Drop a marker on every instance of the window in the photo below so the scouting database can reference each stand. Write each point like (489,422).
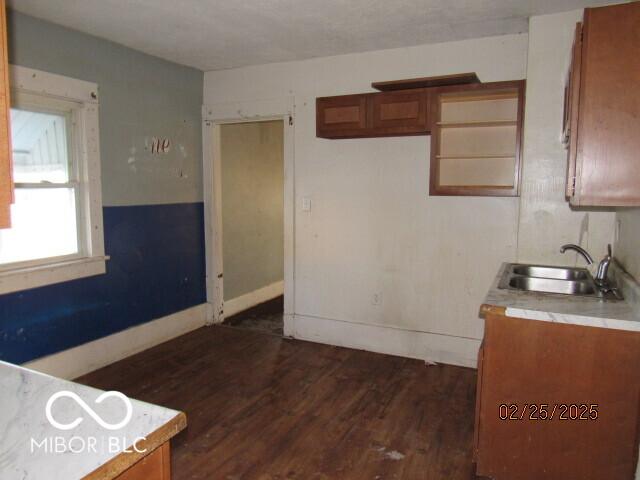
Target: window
(56,232)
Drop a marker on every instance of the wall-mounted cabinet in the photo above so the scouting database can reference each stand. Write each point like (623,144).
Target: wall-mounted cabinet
(476,139)
(396,113)
(476,129)
(400,113)
(602,116)
(342,117)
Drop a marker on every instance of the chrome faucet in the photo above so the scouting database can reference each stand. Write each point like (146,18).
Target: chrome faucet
(603,267)
(579,249)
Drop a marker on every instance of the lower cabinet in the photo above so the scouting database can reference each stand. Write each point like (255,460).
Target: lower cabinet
(556,401)
(155,466)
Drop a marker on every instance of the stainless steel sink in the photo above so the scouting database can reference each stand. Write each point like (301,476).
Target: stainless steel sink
(558,273)
(550,285)
(559,280)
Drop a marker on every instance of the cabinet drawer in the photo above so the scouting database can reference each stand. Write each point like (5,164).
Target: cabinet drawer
(400,113)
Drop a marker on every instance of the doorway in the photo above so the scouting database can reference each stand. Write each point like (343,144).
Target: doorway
(215,117)
(252,207)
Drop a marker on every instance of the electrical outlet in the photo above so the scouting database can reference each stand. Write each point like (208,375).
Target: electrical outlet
(306,204)
(376,299)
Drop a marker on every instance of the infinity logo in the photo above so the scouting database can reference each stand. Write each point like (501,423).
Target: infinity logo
(89,410)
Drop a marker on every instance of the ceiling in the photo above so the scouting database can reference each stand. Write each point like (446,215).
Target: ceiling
(220,34)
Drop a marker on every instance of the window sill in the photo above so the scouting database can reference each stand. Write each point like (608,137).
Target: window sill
(41,275)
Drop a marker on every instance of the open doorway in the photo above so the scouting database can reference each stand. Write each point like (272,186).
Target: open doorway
(252,211)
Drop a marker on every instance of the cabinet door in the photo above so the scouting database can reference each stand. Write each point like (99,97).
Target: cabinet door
(155,466)
(573,105)
(341,117)
(6,183)
(558,401)
(607,172)
(400,113)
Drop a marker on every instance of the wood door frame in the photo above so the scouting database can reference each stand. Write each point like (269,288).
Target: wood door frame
(214,116)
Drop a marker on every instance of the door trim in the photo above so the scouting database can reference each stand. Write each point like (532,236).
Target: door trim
(214,116)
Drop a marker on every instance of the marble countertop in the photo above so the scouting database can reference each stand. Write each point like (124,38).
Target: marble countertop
(41,436)
(587,311)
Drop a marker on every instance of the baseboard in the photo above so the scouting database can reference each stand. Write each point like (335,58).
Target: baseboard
(425,346)
(85,358)
(251,299)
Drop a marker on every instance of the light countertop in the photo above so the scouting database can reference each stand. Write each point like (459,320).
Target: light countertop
(33,448)
(577,310)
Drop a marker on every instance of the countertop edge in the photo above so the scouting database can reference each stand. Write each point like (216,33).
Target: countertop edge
(123,461)
(622,315)
(486,309)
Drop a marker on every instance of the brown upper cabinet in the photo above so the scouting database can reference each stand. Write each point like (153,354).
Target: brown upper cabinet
(476,139)
(602,123)
(403,112)
(342,117)
(6,183)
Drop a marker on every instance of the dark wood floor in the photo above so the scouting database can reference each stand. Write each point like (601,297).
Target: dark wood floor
(264,407)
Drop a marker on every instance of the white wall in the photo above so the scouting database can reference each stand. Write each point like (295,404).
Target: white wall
(546,221)
(373,229)
(627,249)
(252,168)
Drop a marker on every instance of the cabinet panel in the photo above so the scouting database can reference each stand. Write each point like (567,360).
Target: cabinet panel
(341,117)
(608,143)
(573,105)
(401,113)
(530,363)
(155,466)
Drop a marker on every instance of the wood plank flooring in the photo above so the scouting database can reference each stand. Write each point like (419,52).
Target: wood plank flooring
(264,407)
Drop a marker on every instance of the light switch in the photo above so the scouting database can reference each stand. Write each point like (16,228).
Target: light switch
(306,204)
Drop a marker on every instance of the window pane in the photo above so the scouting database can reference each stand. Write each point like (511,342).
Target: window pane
(40,150)
(43,224)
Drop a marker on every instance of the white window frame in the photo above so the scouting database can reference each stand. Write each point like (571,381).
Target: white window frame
(90,259)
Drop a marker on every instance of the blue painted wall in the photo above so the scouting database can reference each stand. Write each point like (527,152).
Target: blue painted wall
(153,214)
(156,268)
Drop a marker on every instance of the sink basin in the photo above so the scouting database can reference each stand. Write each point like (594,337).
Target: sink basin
(551,285)
(549,279)
(558,273)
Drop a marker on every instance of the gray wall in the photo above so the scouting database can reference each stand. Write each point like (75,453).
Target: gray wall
(628,246)
(153,215)
(252,206)
(140,97)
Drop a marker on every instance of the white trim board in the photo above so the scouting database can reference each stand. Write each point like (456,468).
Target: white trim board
(429,347)
(213,116)
(251,299)
(80,99)
(85,358)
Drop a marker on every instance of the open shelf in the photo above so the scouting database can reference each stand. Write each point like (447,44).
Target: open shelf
(481,123)
(476,140)
(464,157)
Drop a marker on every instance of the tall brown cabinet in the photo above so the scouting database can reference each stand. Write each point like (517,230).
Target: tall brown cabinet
(602,109)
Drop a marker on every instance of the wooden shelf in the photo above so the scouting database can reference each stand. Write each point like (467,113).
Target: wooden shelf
(427,82)
(477,97)
(465,157)
(491,123)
